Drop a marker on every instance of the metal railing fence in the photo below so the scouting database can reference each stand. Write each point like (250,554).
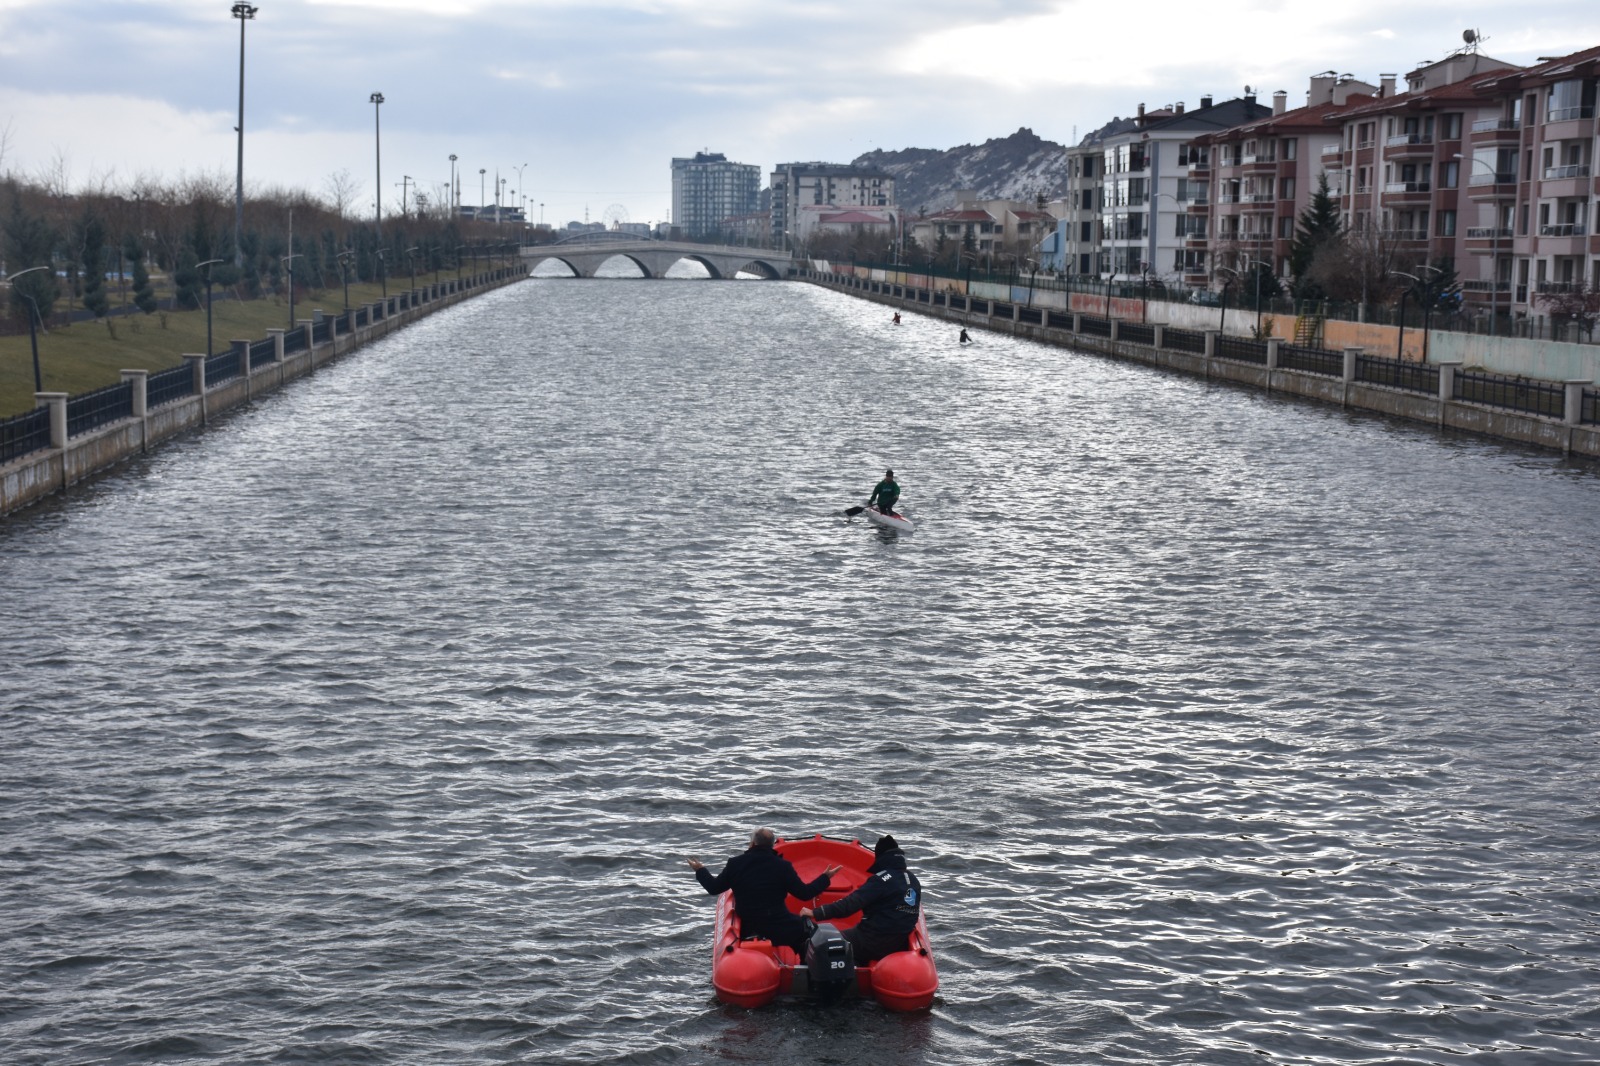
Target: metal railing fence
(1311,360)
(1242,349)
(164,386)
(24,434)
(1545,398)
(91,410)
(1397,374)
(222,366)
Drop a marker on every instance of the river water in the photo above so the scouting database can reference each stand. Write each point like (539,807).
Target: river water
(375,724)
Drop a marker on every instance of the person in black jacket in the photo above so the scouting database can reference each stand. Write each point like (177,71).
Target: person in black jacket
(890,899)
(761,881)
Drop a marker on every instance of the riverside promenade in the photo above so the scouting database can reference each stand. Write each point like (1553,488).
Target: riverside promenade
(1562,416)
(69,438)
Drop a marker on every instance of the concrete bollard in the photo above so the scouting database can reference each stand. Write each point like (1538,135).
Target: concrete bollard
(1116,330)
(1572,413)
(1158,338)
(1272,353)
(57,402)
(140,380)
(1077,322)
(1447,382)
(1211,342)
(276,336)
(1350,355)
(197,363)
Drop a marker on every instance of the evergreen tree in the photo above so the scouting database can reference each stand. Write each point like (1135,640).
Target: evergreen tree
(1316,230)
(30,242)
(188,286)
(144,295)
(91,240)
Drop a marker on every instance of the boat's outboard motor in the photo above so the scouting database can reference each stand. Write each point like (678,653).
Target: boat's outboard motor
(830,962)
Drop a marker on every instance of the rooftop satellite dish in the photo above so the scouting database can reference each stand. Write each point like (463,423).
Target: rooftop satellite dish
(1469,36)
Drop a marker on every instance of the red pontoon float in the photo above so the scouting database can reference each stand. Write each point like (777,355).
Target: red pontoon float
(752,973)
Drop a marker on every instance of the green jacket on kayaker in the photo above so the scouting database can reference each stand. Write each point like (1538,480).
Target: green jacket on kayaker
(885,494)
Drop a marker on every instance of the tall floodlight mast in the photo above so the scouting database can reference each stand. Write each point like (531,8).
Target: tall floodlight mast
(244,13)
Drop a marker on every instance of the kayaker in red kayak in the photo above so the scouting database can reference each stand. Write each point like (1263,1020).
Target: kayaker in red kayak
(761,880)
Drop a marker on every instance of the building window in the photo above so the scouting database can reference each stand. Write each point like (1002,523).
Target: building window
(1286,188)
(1447,223)
(1449,175)
(1289,147)
(1452,128)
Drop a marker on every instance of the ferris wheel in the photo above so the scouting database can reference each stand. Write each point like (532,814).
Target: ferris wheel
(614,217)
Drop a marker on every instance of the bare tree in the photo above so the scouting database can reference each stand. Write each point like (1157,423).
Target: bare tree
(342,191)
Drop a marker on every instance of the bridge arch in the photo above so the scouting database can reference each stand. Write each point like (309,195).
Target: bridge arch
(537,261)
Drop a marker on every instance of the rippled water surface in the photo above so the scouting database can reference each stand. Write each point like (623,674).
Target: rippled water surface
(374,724)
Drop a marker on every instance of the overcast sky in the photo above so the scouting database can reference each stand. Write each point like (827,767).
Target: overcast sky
(596,96)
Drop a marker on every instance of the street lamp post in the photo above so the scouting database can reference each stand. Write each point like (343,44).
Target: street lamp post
(411,256)
(454,197)
(482,199)
(376,99)
(1259,265)
(288,272)
(244,13)
(344,258)
(33,335)
(383,275)
(521,191)
(1427,310)
(208,264)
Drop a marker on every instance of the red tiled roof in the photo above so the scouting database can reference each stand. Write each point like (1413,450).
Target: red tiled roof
(1509,80)
(854,217)
(961,216)
(1463,91)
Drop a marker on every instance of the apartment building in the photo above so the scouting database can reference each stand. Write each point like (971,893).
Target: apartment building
(1262,175)
(839,185)
(708,189)
(1532,192)
(990,229)
(1149,176)
(1405,159)
(1077,247)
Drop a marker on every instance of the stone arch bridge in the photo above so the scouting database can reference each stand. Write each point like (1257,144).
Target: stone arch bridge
(585,254)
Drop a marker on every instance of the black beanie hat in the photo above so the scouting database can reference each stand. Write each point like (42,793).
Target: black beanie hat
(885,843)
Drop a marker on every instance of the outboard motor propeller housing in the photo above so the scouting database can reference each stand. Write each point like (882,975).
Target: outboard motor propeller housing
(830,962)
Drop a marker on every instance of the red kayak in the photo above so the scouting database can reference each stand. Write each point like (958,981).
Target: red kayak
(752,973)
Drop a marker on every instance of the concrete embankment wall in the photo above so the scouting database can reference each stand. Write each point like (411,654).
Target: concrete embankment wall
(69,460)
(1444,410)
(1548,360)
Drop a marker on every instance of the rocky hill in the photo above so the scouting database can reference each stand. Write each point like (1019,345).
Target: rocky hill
(1018,167)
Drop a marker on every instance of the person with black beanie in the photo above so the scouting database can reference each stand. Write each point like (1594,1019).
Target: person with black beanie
(890,900)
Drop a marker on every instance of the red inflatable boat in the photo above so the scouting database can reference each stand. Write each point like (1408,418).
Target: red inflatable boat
(752,973)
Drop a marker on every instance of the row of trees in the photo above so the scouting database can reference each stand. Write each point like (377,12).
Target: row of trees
(126,234)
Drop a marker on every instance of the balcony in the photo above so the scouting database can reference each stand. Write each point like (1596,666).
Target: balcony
(1575,170)
(1332,149)
(1561,288)
(1409,143)
(1499,183)
(1409,236)
(1566,114)
(1485,285)
(1564,229)
(1257,198)
(1405,190)
(1488,233)
(1495,125)
(1199,165)
(1364,144)
(1195,235)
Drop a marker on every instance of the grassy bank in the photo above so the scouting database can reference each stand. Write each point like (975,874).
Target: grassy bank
(88,355)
